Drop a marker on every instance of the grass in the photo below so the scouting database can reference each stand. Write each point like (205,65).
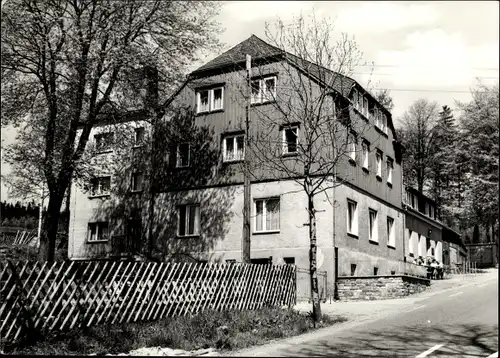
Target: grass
(227,330)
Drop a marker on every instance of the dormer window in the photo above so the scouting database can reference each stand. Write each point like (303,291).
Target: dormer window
(208,100)
(379,164)
(263,90)
(355,99)
(365,106)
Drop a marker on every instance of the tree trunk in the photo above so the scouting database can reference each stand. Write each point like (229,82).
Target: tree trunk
(49,228)
(312,260)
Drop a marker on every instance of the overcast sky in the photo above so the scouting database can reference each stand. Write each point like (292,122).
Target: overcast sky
(432,50)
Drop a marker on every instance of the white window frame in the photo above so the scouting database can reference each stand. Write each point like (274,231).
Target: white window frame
(351,146)
(138,143)
(196,225)
(235,157)
(98,227)
(133,182)
(285,143)
(352,225)
(373,228)
(211,99)
(264,214)
(391,232)
(366,153)
(99,191)
(263,96)
(355,96)
(390,168)
(365,106)
(378,156)
(178,158)
(410,242)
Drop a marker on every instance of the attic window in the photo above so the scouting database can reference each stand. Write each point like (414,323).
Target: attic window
(209,100)
(263,90)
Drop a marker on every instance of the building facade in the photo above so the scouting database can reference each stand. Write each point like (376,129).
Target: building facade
(425,235)
(198,201)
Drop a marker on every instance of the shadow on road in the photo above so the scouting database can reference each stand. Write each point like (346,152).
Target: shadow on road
(458,340)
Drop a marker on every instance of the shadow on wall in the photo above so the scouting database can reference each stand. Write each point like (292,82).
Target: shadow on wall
(185,156)
(473,340)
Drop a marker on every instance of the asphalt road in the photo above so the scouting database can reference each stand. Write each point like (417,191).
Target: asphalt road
(460,322)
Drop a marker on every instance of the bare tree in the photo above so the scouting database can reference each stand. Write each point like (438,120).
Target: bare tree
(65,64)
(306,127)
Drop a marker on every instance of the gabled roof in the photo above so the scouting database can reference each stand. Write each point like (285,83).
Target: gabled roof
(252,46)
(258,48)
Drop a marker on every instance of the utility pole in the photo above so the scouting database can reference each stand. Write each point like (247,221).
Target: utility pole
(40,216)
(246,170)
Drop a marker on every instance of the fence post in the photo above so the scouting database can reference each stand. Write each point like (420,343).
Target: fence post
(295,285)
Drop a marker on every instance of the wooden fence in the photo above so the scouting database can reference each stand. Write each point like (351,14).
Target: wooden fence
(62,295)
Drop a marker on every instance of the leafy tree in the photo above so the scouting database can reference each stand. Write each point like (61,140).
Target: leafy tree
(385,99)
(445,164)
(417,136)
(66,64)
(479,125)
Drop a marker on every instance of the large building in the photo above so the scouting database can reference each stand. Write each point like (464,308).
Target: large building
(198,182)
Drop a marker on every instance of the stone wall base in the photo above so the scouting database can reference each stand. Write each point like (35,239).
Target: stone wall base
(360,288)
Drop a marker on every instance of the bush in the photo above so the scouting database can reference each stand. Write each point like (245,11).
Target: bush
(226,330)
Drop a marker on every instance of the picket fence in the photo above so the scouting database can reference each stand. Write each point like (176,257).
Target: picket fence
(62,295)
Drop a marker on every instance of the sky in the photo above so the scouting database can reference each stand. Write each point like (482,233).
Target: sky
(434,50)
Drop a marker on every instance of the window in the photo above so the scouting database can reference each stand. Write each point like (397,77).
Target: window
(355,99)
(379,164)
(263,90)
(101,186)
(391,235)
(289,260)
(381,121)
(217,99)
(377,117)
(267,215)
(290,139)
(373,235)
(138,136)
(233,148)
(104,141)
(351,146)
(352,217)
(137,180)
(210,99)
(183,154)
(98,231)
(366,151)
(188,220)
(390,166)
(410,243)
(365,106)
(375,271)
